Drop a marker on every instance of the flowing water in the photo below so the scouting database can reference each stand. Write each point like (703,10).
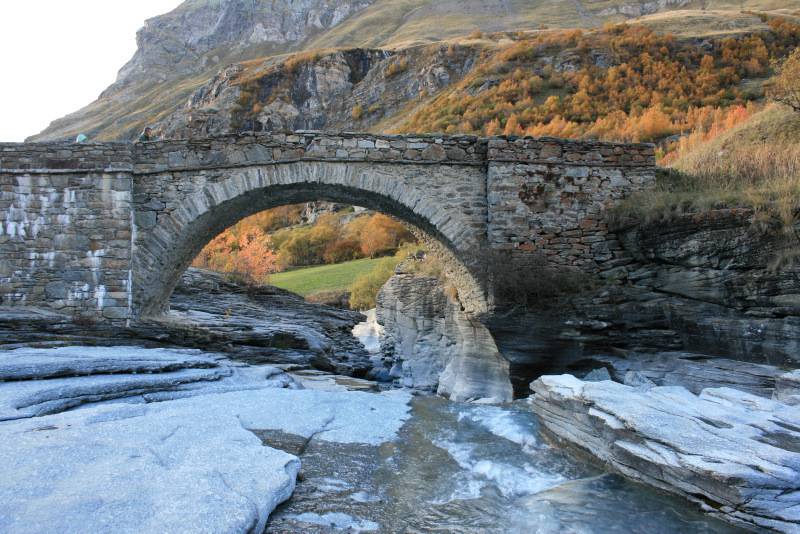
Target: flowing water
(460,468)
(467,468)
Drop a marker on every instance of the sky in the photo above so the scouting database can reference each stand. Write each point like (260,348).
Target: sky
(57,56)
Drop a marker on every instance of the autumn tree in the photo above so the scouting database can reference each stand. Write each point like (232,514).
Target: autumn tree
(383,235)
(785,86)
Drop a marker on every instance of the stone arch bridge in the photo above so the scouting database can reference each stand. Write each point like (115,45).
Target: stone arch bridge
(105,230)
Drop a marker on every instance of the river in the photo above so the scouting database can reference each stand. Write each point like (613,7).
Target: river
(469,468)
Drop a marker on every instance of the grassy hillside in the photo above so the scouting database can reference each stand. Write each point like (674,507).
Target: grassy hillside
(398,23)
(754,165)
(311,280)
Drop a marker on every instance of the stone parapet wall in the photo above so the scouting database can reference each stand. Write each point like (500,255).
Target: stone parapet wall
(243,150)
(55,158)
(569,152)
(240,150)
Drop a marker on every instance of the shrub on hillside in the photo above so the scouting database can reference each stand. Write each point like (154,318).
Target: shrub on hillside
(307,246)
(785,86)
(342,250)
(382,235)
(365,289)
(396,67)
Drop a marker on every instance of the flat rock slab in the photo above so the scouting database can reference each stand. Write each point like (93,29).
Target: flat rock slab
(736,454)
(41,363)
(787,388)
(183,466)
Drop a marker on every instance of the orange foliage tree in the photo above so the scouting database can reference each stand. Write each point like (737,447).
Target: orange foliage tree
(382,235)
(246,252)
(622,83)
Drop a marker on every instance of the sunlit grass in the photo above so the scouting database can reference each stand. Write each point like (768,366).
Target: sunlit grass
(310,280)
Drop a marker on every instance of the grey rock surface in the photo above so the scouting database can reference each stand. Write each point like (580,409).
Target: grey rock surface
(787,388)
(597,375)
(259,325)
(431,345)
(174,452)
(33,363)
(735,454)
(58,379)
(695,372)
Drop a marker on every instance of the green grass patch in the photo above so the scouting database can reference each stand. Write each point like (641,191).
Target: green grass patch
(310,280)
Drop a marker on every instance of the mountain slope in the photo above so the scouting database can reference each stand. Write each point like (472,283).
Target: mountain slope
(622,83)
(182,51)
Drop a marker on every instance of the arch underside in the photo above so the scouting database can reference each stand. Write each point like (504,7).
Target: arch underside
(164,252)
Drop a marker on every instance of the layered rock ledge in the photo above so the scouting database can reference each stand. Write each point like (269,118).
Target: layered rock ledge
(165,440)
(735,454)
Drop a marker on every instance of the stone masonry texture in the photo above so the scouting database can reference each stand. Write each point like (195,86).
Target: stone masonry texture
(104,231)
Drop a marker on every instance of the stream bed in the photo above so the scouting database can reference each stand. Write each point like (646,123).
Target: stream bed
(461,468)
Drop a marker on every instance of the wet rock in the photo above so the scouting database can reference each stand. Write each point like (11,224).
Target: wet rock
(432,345)
(48,381)
(38,364)
(597,375)
(787,388)
(258,325)
(635,379)
(735,454)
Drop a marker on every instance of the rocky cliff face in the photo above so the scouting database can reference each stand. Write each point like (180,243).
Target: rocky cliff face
(431,345)
(200,32)
(181,50)
(352,89)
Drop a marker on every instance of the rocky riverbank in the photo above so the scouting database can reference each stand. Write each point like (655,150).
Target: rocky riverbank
(177,451)
(210,312)
(734,454)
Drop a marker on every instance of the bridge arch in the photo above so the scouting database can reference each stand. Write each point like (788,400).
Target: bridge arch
(177,213)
